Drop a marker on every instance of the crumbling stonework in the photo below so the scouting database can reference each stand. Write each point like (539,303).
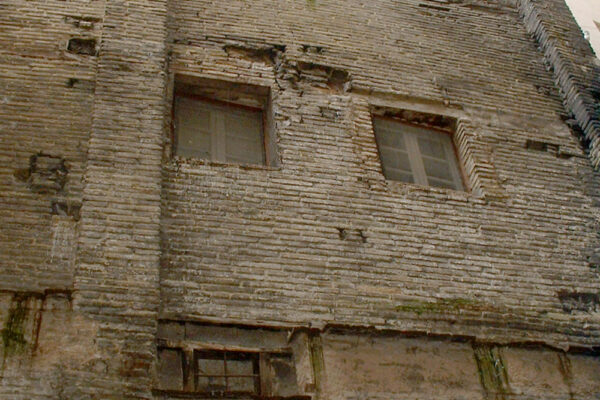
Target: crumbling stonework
(123,266)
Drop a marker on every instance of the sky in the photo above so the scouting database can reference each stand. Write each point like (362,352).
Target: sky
(587,14)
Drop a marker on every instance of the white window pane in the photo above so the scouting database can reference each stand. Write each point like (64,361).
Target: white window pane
(244,142)
(388,134)
(398,175)
(432,146)
(392,149)
(437,169)
(395,159)
(193,128)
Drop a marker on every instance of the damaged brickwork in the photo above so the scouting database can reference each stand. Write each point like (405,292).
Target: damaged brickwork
(125,267)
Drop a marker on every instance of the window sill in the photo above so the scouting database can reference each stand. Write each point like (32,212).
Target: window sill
(178,161)
(178,394)
(409,189)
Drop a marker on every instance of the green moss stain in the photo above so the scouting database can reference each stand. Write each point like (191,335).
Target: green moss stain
(492,371)
(443,305)
(13,335)
(566,370)
(317,361)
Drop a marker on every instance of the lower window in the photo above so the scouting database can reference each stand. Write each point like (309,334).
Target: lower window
(197,361)
(226,372)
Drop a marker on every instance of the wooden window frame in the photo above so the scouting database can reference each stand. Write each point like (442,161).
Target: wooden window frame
(202,354)
(189,366)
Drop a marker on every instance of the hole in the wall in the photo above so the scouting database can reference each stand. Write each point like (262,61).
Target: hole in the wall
(433,7)
(324,75)
(84,22)
(84,46)
(329,113)
(594,261)
(262,53)
(46,173)
(66,208)
(308,48)
(363,236)
(82,84)
(579,301)
(595,93)
(436,121)
(536,145)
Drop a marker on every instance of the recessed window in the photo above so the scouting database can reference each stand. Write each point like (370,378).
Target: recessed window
(199,361)
(417,154)
(222,122)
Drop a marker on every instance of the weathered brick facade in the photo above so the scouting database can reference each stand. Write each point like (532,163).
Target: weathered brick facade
(111,246)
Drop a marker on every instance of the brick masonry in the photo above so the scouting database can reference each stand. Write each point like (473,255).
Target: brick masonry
(104,232)
(263,245)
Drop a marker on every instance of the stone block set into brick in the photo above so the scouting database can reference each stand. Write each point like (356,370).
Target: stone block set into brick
(204,199)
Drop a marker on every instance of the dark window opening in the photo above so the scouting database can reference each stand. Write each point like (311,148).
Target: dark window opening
(85,46)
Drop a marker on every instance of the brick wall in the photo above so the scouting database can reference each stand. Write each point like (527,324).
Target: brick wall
(116,282)
(103,232)
(263,245)
(46,108)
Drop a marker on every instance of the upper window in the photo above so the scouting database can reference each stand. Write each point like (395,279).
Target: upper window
(417,154)
(221,121)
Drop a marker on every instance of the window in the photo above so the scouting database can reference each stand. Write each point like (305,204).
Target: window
(226,372)
(416,154)
(200,361)
(221,121)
